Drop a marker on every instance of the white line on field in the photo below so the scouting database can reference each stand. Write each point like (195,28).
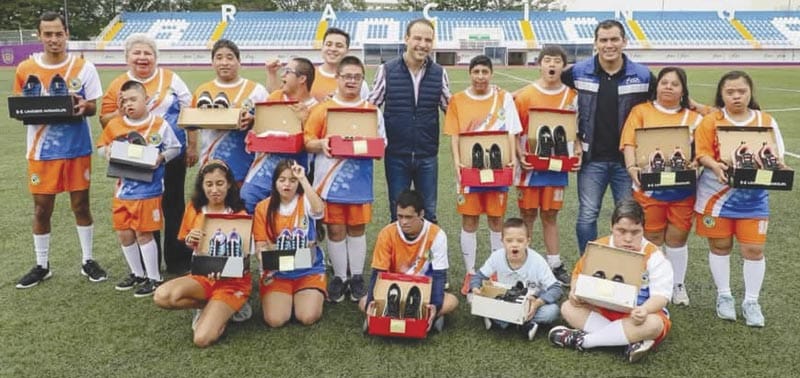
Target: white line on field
(796,156)
(782,110)
(517,78)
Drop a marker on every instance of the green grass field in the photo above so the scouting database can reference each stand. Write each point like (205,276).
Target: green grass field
(69,327)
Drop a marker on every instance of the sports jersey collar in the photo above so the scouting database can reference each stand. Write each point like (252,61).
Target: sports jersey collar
(147,80)
(227,210)
(355,104)
(38,58)
(740,123)
(549,91)
(475,97)
(229,85)
(330,75)
(426,225)
(663,109)
(288,209)
(140,122)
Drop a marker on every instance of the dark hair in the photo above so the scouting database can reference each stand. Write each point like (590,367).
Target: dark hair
(411,198)
(419,21)
(225,43)
(629,209)
(51,16)
(305,68)
(350,60)
(552,50)
(684,101)
(733,75)
(515,223)
(608,24)
(337,31)
(133,84)
(232,198)
(480,60)
(274,197)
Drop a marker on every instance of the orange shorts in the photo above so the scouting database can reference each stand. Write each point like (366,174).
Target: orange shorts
(658,213)
(540,197)
(349,214)
(139,215)
(749,230)
(291,287)
(616,315)
(61,175)
(492,204)
(233,291)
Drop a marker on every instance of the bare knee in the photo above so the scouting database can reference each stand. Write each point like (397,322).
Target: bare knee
(204,339)
(274,320)
(469,223)
(307,317)
(721,246)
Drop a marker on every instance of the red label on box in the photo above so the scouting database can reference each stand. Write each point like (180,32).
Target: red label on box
(479,177)
(553,163)
(356,147)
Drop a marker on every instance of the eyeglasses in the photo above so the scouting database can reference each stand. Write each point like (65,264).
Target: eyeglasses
(288,70)
(352,77)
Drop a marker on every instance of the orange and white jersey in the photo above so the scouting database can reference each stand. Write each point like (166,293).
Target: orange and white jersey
(651,114)
(60,140)
(193,219)
(420,256)
(325,85)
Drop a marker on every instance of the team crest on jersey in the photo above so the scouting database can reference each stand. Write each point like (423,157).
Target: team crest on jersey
(304,223)
(75,84)
(154,139)
(247,105)
(460,199)
(501,114)
(709,221)
(35,180)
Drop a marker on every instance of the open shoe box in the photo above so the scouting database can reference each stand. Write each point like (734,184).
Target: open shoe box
(212,118)
(503,176)
(37,110)
(276,129)
(132,161)
(487,306)
(538,117)
(613,295)
(285,260)
(730,137)
(227,266)
(378,325)
(353,133)
(666,139)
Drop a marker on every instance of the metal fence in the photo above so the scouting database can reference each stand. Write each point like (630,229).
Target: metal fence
(18,37)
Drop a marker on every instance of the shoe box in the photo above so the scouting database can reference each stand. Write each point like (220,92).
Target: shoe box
(353,133)
(132,161)
(285,260)
(730,138)
(479,153)
(209,118)
(491,304)
(541,119)
(413,328)
(667,140)
(37,110)
(277,129)
(611,277)
(225,246)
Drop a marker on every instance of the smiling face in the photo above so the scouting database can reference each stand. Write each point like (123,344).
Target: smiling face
(628,234)
(349,80)
(480,77)
(669,90)
(287,185)
(515,241)
(133,103)
(226,65)
(419,42)
(141,61)
(609,44)
(215,187)
(53,36)
(736,95)
(334,48)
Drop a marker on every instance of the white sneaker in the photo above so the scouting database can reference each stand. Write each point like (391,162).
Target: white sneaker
(196,317)
(532,330)
(243,314)
(679,295)
(487,323)
(726,307)
(751,311)
(634,352)
(438,324)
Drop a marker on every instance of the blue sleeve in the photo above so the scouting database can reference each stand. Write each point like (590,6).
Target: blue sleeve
(477,280)
(372,281)
(552,293)
(567,78)
(437,288)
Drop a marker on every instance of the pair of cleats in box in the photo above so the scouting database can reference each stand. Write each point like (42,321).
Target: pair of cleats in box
(33,86)
(744,158)
(515,294)
(551,142)
(676,162)
(133,137)
(601,274)
(480,157)
(205,101)
(413,303)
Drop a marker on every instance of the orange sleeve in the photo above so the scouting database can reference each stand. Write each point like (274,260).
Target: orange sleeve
(189,222)
(19,81)
(276,95)
(260,222)
(705,137)
(110,98)
(107,136)
(635,121)
(315,124)
(382,255)
(451,126)
(521,103)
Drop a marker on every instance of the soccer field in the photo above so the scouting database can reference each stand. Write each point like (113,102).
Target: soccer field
(72,328)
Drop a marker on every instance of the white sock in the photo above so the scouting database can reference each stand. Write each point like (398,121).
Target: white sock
(753,278)
(495,240)
(134,259)
(86,235)
(679,257)
(41,246)
(150,257)
(721,272)
(356,253)
(553,261)
(469,249)
(595,322)
(337,250)
(611,335)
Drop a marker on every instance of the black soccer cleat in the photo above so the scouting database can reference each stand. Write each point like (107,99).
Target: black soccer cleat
(743,157)
(618,278)
(135,138)
(58,86)
(413,308)
(560,141)
(678,160)
(495,159)
(392,308)
(32,87)
(599,274)
(657,163)
(221,101)
(544,144)
(204,101)
(477,156)
(767,158)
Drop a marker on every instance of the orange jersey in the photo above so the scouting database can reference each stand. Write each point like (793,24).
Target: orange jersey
(492,112)
(325,85)
(650,114)
(396,254)
(193,219)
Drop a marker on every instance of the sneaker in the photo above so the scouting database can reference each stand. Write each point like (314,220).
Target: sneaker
(487,323)
(135,138)
(392,308)
(58,87)
(196,317)
(33,277)
(477,156)
(336,290)
(635,351)
(147,288)
(447,286)
(679,295)
(495,159)
(544,143)
(357,287)
(562,275)
(766,157)
(413,308)
(243,314)
(726,307)
(618,278)
(221,101)
(529,330)
(93,270)
(678,160)
(204,101)
(566,337)
(743,157)
(751,311)
(599,274)
(560,141)
(32,87)
(465,286)
(657,161)
(129,282)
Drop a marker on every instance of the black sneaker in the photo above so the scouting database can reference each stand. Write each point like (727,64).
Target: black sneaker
(58,87)
(129,282)
(544,144)
(766,157)
(678,160)
(392,308)
(135,138)
(204,101)
(514,293)
(634,352)
(495,159)
(357,287)
(147,289)
(413,308)
(657,161)
(566,337)
(560,141)
(477,156)
(221,101)
(743,157)
(93,270)
(32,87)
(336,290)
(33,277)
(562,275)
(599,274)
(618,278)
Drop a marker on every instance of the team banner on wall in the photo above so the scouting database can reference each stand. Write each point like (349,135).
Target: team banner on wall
(10,56)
